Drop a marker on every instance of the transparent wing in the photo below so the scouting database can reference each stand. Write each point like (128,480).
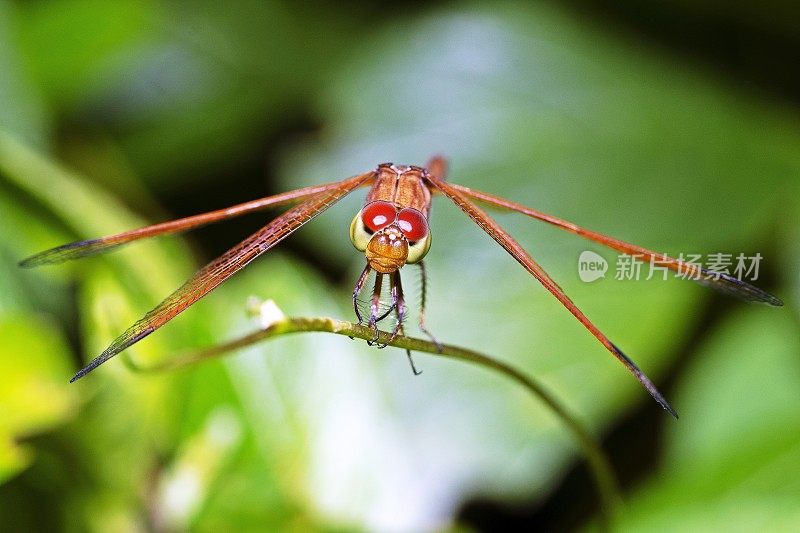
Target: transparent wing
(720,281)
(505,240)
(213,274)
(76,250)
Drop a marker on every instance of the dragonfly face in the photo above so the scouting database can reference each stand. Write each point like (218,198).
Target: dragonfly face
(389,236)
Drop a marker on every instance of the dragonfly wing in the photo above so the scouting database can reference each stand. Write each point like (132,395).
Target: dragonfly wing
(76,250)
(727,284)
(505,240)
(213,274)
(720,281)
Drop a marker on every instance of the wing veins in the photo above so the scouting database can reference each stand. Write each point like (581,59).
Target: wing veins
(716,280)
(213,274)
(496,232)
(86,248)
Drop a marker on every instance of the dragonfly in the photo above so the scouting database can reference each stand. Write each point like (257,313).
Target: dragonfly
(391,230)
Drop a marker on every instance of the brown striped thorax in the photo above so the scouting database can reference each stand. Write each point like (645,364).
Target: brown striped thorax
(402,185)
(392,227)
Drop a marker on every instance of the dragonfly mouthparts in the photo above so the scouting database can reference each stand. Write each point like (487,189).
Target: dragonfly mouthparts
(387,250)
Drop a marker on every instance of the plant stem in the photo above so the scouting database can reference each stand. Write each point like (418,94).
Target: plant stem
(595,457)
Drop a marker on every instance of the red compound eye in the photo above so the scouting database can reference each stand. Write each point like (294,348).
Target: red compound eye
(378,215)
(413,224)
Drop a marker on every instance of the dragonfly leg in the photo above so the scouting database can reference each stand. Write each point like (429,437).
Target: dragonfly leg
(399,303)
(387,313)
(357,290)
(400,307)
(424,285)
(374,308)
(411,359)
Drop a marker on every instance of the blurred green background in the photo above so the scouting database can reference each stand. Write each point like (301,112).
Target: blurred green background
(672,126)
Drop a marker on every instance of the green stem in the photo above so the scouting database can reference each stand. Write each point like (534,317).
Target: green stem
(595,457)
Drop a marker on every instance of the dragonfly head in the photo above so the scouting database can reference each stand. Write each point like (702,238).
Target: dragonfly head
(390,237)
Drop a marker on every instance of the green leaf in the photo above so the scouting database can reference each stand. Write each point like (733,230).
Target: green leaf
(21,110)
(35,396)
(736,455)
(94,39)
(89,212)
(183,88)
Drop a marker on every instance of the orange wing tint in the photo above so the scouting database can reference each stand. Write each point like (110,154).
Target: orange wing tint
(210,276)
(76,250)
(720,281)
(505,240)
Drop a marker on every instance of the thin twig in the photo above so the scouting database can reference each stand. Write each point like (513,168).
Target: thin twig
(598,462)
